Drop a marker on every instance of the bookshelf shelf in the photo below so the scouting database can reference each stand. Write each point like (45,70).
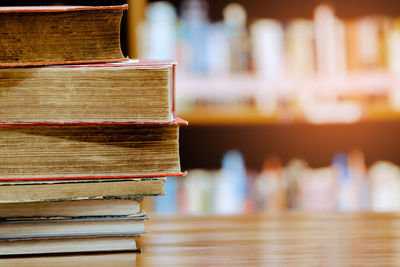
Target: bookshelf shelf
(248,115)
(225,115)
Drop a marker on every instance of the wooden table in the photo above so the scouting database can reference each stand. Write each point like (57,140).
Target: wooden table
(256,240)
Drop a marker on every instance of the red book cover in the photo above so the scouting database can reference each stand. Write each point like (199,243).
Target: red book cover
(39,9)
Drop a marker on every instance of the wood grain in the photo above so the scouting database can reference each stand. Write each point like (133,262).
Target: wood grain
(281,240)
(363,239)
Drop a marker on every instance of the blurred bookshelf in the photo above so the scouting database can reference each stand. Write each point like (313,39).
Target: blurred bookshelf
(271,85)
(313,67)
(247,69)
(359,97)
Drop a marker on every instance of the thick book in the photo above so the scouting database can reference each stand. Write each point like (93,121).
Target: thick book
(42,152)
(133,91)
(67,227)
(72,208)
(33,191)
(60,34)
(65,245)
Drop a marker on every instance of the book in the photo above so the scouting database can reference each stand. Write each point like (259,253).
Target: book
(89,151)
(60,34)
(157,34)
(120,259)
(272,186)
(300,49)
(363,40)
(67,245)
(168,203)
(31,191)
(70,208)
(329,43)
(133,91)
(385,187)
(267,36)
(61,227)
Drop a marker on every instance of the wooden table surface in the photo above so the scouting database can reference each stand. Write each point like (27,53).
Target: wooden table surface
(258,240)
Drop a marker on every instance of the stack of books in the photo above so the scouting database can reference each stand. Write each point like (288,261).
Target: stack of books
(85,133)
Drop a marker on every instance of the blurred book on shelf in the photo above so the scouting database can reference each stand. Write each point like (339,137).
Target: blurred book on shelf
(346,185)
(320,70)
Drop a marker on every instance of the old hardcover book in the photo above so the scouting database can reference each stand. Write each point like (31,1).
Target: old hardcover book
(120,259)
(66,245)
(72,208)
(134,91)
(60,34)
(32,191)
(61,227)
(89,151)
